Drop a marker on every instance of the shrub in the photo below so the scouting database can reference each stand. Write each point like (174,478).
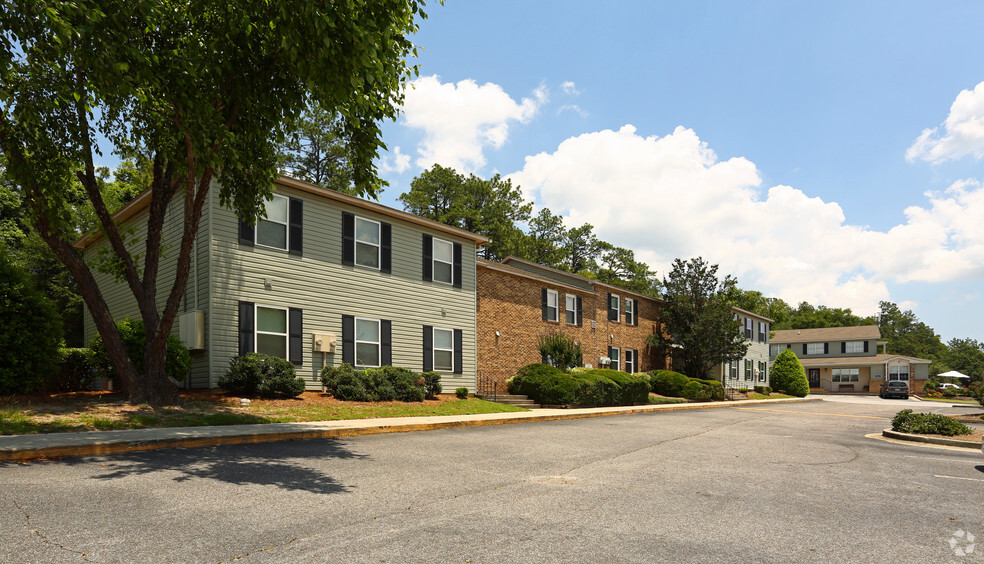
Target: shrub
(714,388)
(385,383)
(30,333)
(949,392)
(432,384)
(788,376)
(560,350)
(519,384)
(743,390)
(764,390)
(547,385)
(695,390)
(976,391)
(461,393)
(906,421)
(668,383)
(257,374)
(177,359)
(77,370)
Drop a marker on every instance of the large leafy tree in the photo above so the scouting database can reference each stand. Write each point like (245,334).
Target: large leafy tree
(580,249)
(544,239)
(756,302)
(488,207)
(204,90)
(906,335)
(317,151)
(618,266)
(700,329)
(967,357)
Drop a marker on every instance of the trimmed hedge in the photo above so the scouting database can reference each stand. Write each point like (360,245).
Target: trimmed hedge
(906,421)
(257,374)
(550,386)
(386,383)
(764,390)
(668,383)
(675,385)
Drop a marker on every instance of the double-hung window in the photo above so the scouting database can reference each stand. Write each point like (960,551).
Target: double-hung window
(443,350)
(774,350)
(854,346)
(630,311)
(748,327)
(845,374)
(734,369)
(748,369)
(271,230)
(271,331)
(613,307)
(367,342)
(367,242)
(814,348)
(551,305)
(613,354)
(900,372)
(443,261)
(570,307)
(630,361)
(763,333)
(762,373)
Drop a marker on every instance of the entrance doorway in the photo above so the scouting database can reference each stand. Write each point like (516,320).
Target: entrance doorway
(814,374)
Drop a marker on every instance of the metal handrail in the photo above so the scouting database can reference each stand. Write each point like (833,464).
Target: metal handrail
(487,386)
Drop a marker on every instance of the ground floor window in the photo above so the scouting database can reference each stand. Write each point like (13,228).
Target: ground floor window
(763,377)
(613,354)
(734,370)
(271,331)
(845,374)
(630,361)
(900,372)
(367,342)
(748,369)
(443,350)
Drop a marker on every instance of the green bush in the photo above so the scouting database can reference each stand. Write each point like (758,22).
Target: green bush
(30,332)
(177,359)
(906,421)
(257,374)
(547,385)
(386,383)
(560,350)
(950,392)
(714,388)
(788,376)
(764,390)
(695,390)
(976,391)
(668,383)
(432,384)
(461,393)
(77,370)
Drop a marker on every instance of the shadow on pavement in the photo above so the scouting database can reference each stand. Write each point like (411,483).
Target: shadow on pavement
(277,464)
(979,469)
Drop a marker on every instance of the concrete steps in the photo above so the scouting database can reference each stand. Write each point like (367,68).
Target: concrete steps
(511,399)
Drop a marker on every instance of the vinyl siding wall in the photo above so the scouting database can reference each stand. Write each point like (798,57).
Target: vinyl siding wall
(833,349)
(757,352)
(120,299)
(325,289)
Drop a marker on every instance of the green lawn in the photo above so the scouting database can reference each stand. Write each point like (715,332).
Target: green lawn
(773,395)
(102,415)
(950,400)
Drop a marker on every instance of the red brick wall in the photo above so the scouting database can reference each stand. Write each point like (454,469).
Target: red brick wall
(511,305)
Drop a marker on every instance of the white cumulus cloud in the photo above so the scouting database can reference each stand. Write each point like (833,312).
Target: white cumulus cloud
(669,197)
(394,162)
(569,88)
(962,135)
(459,121)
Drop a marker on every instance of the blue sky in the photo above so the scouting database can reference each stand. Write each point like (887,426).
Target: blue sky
(827,152)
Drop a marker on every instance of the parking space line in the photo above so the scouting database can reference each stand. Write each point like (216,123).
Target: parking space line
(958,478)
(813,413)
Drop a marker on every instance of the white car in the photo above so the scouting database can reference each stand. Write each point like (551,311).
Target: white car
(946,385)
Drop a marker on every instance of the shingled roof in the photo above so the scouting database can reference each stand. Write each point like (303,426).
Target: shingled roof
(857,333)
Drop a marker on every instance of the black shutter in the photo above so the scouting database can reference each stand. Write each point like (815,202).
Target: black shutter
(804,348)
(385,247)
(638,361)
(348,339)
(456,270)
(348,239)
(247,233)
(428,257)
(295,223)
(866,346)
(246,322)
(543,303)
(295,334)
(635,312)
(826,348)
(843,347)
(386,342)
(459,357)
(578,309)
(428,347)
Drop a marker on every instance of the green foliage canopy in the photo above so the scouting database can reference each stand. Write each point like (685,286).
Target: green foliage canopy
(788,375)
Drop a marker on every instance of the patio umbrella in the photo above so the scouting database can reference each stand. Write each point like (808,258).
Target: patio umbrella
(954,374)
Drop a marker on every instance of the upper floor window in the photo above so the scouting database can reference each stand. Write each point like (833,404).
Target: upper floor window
(551,309)
(613,307)
(630,311)
(443,261)
(749,331)
(854,346)
(367,242)
(570,308)
(774,350)
(763,332)
(271,231)
(815,348)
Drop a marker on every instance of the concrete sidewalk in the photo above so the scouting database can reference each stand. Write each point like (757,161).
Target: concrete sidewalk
(56,445)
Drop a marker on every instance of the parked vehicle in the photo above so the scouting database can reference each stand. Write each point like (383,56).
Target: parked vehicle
(946,385)
(894,389)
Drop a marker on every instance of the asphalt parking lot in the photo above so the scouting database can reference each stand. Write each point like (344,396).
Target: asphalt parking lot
(783,483)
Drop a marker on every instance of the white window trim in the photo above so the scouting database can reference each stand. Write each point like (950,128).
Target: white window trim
(627,362)
(632,311)
(435,348)
(618,306)
(435,260)
(256,326)
(356,341)
(899,367)
(570,306)
(749,371)
(556,306)
(810,346)
(763,371)
(356,241)
(617,359)
(256,238)
(838,375)
(859,345)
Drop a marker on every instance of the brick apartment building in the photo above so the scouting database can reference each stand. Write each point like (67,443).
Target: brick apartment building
(518,301)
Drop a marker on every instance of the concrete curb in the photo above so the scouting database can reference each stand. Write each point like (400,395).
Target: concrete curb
(931,440)
(58,445)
